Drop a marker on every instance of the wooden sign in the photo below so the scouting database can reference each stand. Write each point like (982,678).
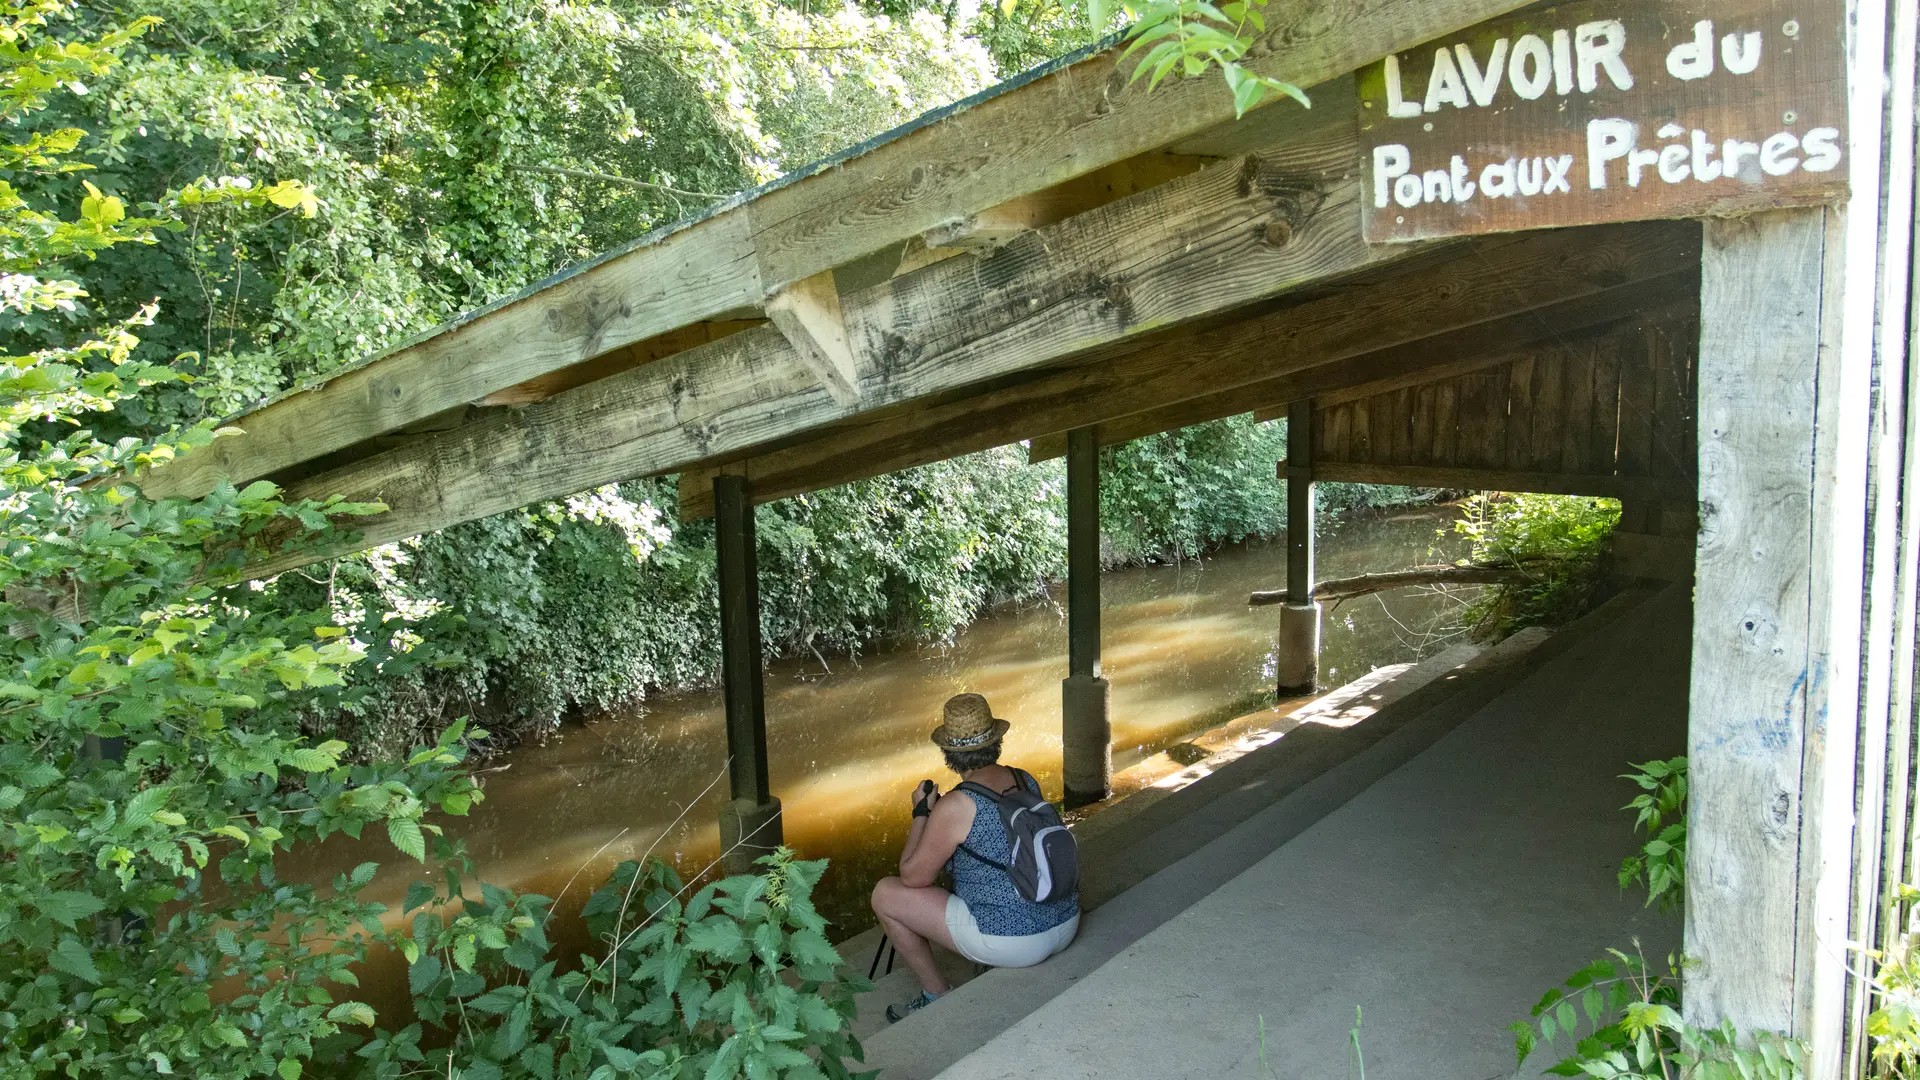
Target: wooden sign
(1608,111)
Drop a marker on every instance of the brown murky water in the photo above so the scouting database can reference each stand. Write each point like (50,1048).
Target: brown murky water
(1181,647)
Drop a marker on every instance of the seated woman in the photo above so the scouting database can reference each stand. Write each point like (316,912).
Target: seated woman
(984,918)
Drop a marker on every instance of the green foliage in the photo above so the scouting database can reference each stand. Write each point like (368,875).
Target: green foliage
(1894,1023)
(587,604)
(465,150)
(1559,540)
(1660,809)
(151,766)
(1624,1023)
(1192,37)
(1175,495)
(736,980)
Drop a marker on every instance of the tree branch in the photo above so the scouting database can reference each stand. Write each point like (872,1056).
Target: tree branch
(1348,588)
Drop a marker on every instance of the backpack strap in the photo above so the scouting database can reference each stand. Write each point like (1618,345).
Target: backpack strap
(982,789)
(982,858)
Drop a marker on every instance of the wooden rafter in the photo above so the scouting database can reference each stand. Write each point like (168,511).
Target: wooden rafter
(1061,122)
(1444,312)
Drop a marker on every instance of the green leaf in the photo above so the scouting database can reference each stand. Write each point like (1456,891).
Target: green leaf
(352,1012)
(405,835)
(66,908)
(423,973)
(73,958)
(289,1069)
(718,936)
(364,873)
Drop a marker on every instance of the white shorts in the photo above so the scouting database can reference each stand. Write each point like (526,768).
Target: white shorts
(996,951)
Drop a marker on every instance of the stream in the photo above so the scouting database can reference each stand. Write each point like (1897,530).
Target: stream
(1181,647)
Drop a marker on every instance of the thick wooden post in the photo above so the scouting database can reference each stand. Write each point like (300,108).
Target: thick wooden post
(1086,734)
(1759,669)
(750,821)
(1298,659)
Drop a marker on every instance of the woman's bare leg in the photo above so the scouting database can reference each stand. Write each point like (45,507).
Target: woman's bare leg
(915,920)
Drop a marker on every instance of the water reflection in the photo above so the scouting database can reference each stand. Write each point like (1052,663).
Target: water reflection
(1182,648)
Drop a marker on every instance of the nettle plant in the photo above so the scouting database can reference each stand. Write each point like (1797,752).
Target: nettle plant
(736,980)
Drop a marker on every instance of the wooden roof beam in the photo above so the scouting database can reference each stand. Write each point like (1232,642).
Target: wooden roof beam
(1106,277)
(1063,121)
(1455,353)
(1475,302)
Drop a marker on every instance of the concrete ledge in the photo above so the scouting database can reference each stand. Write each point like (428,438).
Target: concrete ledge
(1192,842)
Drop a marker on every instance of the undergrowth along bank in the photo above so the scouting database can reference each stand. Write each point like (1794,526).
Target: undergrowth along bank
(580,606)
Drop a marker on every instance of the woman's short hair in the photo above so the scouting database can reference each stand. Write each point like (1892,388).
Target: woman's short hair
(965,761)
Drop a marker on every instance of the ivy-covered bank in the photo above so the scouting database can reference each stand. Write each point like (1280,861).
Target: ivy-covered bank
(523,619)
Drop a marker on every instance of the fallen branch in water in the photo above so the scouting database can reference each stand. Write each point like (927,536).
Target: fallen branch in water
(1348,588)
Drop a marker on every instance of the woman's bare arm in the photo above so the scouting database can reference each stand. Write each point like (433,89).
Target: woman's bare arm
(933,839)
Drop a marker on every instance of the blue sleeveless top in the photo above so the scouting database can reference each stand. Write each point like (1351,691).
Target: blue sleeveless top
(988,892)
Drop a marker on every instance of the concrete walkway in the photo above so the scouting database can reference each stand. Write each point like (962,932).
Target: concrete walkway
(1444,899)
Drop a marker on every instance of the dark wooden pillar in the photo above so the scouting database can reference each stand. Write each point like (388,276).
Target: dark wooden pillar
(750,821)
(1298,662)
(1086,731)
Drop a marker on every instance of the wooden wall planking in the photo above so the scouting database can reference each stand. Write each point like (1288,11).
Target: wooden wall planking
(1616,403)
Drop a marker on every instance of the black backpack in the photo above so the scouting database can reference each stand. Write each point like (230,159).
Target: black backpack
(1045,863)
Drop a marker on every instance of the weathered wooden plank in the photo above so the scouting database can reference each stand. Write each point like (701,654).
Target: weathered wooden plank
(641,352)
(628,297)
(1470,349)
(1472,479)
(1446,423)
(1576,437)
(1103,278)
(1672,399)
(1760,342)
(1340,423)
(1605,448)
(1360,434)
(1420,447)
(1549,408)
(1519,427)
(1636,403)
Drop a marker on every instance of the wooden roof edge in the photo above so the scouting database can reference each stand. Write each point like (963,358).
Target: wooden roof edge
(654,236)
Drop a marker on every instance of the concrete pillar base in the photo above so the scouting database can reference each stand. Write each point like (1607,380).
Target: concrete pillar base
(748,830)
(1086,740)
(1299,654)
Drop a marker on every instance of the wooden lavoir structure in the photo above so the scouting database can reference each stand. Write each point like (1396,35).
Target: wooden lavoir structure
(1658,249)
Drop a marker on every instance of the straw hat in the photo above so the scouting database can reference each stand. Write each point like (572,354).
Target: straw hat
(968,724)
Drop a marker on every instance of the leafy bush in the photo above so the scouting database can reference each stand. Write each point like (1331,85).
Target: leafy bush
(1661,809)
(1559,540)
(1634,1031)
(1175,495)
(738,980)
(151,766)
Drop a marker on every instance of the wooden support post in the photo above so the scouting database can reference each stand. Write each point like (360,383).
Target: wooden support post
(1086,731)
(1298,658)
(1756,660)
(750,821)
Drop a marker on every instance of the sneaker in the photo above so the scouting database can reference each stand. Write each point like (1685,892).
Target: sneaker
(897,1013)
